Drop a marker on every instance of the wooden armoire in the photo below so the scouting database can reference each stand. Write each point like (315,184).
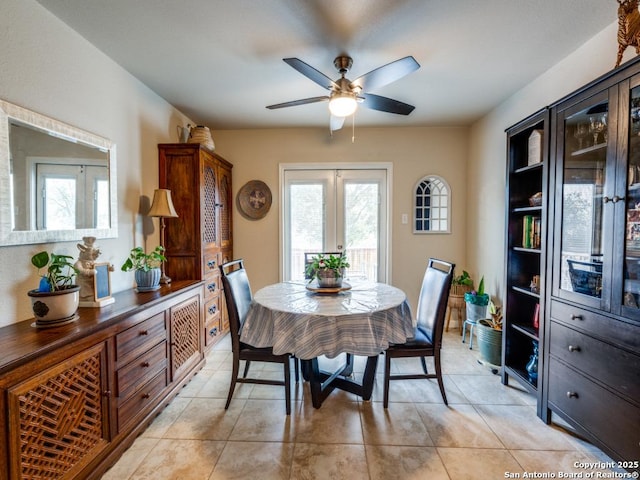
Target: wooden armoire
(200,238)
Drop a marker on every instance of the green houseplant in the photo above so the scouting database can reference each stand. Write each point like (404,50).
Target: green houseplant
(56,298)
(327,269)
(146,267)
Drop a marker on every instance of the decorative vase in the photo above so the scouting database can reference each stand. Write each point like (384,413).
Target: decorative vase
(149,280)
(201,134)
(330,278)
(55,308)
(532,366)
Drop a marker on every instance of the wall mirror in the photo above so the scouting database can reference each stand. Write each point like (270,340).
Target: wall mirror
(57,182)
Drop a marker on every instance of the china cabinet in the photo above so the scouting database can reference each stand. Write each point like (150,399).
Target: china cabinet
(74,397)
(526,220)
(200,238)
(592,341)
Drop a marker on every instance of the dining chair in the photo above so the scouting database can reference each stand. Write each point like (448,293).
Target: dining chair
(427,339)
(308,258)
(237,292)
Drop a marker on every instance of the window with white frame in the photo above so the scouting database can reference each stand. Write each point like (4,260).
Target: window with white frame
(431,208)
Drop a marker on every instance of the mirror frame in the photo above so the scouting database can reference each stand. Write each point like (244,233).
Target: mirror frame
(8,236)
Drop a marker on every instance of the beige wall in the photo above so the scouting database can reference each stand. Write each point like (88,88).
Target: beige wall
(414,153)
(48,68)
(487,154)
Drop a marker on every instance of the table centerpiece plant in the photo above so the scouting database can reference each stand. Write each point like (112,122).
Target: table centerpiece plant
(328,270)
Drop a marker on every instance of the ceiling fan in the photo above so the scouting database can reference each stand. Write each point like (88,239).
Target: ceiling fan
(345,95)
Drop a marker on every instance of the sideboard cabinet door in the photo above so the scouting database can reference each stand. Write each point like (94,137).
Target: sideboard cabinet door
(59,418)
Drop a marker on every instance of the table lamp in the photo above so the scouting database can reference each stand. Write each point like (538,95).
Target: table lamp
(162,207)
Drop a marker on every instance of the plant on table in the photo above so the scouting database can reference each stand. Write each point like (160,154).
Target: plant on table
(477,297)
(322,265)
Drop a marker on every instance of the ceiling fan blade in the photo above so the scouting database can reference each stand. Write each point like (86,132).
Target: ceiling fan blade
(335,123)
(384,104)
(311,73)
(294,103)
(386,74)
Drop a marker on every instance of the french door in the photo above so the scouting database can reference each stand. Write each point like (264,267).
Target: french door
(336,210)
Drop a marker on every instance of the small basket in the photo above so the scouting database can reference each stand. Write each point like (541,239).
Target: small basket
(535,200)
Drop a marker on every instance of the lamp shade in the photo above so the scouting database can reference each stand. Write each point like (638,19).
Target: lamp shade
(162,205)
(343,104)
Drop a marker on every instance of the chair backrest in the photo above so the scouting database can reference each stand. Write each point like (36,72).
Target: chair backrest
(237,293)
(434,295)
(308,256)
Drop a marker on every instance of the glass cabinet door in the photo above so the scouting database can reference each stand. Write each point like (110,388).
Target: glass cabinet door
(631,285)
(584,172)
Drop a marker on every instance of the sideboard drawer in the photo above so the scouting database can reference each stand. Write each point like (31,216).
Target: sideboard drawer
(130,377)
(140,338)
(620,371)
(143,399)
(589,405)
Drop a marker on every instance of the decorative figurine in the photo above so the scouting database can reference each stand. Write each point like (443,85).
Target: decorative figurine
(628,27)
(87,275)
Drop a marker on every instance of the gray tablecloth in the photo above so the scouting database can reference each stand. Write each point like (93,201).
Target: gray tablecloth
(361,321)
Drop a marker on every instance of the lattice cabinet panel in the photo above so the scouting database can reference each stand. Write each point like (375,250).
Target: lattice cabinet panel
(185,336)
(210,232)
(59,418)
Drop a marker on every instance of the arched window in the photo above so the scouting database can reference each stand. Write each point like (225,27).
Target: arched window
(431,205)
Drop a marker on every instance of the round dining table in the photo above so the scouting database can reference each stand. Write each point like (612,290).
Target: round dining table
(308,322)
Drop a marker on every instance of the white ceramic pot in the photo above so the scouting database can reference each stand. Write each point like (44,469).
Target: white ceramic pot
(54,307)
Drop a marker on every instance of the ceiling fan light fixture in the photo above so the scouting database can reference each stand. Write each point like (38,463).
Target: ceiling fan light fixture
(343,104)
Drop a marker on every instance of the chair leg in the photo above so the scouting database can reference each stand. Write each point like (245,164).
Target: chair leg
(424,365)
(471,336)
(287,384)
(436,358)
(234,378)
(296,368)
(464,331)
(247,363)
(387,374)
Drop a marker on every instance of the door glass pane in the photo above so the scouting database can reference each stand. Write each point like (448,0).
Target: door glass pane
(585,153)
(361,229)
(631,296)
(307,224)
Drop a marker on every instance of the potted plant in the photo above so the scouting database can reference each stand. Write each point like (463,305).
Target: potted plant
(490,336)
(327,269)
(146,267)
(56,299)
(461,284)
(477,302)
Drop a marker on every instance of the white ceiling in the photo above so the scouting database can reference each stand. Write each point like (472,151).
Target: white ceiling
(220,61)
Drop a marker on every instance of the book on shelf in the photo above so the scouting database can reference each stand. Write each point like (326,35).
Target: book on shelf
(536,317)
(531,231)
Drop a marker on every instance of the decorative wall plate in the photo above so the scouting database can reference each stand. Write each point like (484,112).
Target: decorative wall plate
(254,200)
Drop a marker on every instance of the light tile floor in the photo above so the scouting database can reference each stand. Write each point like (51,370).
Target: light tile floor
(488,431)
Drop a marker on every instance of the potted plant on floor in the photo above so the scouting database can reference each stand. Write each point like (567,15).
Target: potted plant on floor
(146,267)
(490,336)
(327,269)
(477,302)
(56,299)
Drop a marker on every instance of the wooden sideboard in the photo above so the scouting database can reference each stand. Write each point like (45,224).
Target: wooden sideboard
(75,397)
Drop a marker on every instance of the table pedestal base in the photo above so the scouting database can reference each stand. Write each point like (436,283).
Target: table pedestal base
(322,383)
